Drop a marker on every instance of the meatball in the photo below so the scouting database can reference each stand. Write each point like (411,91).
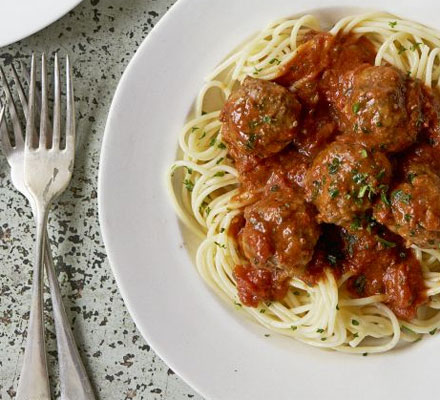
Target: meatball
(413,210)
(259,120)
(280,232)
(380,265)
(343,181)
(379,108)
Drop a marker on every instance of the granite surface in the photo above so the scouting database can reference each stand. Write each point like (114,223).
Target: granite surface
(101,36)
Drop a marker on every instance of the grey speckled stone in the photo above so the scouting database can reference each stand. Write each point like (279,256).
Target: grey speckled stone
(101,36)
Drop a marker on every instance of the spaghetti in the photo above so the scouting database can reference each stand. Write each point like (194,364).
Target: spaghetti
(204,187)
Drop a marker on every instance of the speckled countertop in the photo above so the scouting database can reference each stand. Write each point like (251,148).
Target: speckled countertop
(101,36)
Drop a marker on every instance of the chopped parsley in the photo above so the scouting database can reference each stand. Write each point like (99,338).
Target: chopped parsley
(262,311)
(415,46)
(364,354)
(381,174)
(320,330)
(362,191)
(257,70)
(364,153)
(194,128)
(400,195)
(356,107)
(337,307)
(334,166)
(359,284)
(274,188)
(332,259)
(213,139)
(275,61)
(401,49)
(222,230)
(392,24)
(219,160)
(433,331)
(354,322)
(267,119)
(237,304)
(294,328)
(333,192)
(323,339)
(221,145)
(407,217)
(384,198)
(189,185)
(402,254)
(203,135)
(222,246)
(385,243)
(190,170)
(219,174)
(250,143)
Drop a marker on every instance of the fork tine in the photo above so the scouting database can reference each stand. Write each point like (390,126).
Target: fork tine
(70,112)
(6,142)
(57,105)
(20,91)
(30,135)
(18,132)
(44,137)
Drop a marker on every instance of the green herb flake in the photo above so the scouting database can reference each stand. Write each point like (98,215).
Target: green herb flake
(296,293)
(392,24)
(384,198)
(385,243)
(364,354)
(213,140)
(221,145)
(257,70)
(237,304)
(416,46)
(266,335)
(294,328)
(204,113)
(401,49)
(219,174)
(189,185)
(250,143)
(222,230)
(356,107)
(433,331)
(364,153)
(323,339)
(334,166)
(401,196)
(274,188)
(320,330)
(354,322)
(407,217)
(262,311)
(331,259)
(222,246)
(194,128)
(190,170)
(219,160)
(337,307)
(333,191)
(267,119)
(362,191)
(203,135)
(275,61)
(356,335)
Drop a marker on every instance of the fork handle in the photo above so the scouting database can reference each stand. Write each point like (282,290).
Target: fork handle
(34,379)
(75,384)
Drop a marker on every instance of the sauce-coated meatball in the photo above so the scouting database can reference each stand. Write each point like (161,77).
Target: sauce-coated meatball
(413,209)
(344,180)
(259,119)
(280,232)
(379,108)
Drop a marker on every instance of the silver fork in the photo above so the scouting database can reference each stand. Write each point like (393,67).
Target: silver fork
(39,170)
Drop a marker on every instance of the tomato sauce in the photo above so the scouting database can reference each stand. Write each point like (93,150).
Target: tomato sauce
(385,123)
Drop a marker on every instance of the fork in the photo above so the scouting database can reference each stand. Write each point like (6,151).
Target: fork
(30,168)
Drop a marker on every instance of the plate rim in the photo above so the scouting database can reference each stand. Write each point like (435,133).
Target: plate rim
(104,158)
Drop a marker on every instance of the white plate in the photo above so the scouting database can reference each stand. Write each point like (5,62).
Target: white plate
(21,18)
(213,347)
